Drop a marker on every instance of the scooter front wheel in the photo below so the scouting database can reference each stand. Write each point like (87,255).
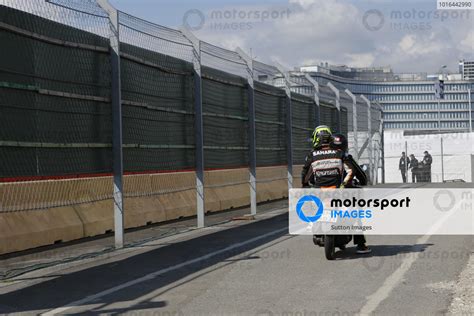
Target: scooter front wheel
(329,247)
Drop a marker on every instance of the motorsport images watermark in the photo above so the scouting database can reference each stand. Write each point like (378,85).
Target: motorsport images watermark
(410,19)
(231,19)
(375,211)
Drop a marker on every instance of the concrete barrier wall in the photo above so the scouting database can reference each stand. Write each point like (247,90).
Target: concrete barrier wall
(39,213)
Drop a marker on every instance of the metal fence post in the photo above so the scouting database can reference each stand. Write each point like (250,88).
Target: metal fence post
(338,105)
(289,124)
(406,161)
(382,153)
(317,114)
(382,135)
(198,123)
(369,133)
(354,123)
(375,154)
(252,133)
(470,109)
(442,159)
(116,97)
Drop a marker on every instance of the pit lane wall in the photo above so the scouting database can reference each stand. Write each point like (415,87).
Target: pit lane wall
(40,213)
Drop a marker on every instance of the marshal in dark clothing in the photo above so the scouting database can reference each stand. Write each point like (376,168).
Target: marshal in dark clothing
(426,167)
(403,166)
(414,166)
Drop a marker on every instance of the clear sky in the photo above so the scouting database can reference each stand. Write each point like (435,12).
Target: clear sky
(410,36)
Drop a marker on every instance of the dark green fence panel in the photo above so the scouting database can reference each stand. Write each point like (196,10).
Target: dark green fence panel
(303,119)
(270,125)
(55,116)
(158,111)
(225,119)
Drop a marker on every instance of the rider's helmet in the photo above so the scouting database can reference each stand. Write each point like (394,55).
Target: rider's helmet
(321,136)
(339,141)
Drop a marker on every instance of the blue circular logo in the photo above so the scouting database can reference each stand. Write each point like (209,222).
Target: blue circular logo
(311,199)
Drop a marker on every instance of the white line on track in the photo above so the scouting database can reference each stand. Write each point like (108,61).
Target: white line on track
(152,275)
(396,277)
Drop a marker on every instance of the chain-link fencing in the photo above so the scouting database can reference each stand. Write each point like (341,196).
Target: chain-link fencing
(56,110)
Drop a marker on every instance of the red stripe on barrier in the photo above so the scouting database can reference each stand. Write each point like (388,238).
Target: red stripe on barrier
(109,174)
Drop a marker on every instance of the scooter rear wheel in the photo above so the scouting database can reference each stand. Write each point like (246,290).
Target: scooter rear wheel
(329,247)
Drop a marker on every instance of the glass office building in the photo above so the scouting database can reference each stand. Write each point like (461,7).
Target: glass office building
(408,100)
(466,69)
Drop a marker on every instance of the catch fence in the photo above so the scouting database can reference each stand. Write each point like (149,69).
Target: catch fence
(186,106)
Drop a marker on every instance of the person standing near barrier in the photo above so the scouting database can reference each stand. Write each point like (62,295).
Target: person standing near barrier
(427,161)
(403,166)
(414,168)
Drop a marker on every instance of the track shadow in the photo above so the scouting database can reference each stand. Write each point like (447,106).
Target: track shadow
(381,251)
(75,286)
(142,307)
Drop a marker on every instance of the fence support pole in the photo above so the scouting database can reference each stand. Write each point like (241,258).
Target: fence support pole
(338,105)
(252,132)
(289,135)
(382,149)
(470,109)
(289,124)
(198,125)
(406,161)
(442,159)
(116,98)
(375,163)
(317,112)
(369,133)
(354,124)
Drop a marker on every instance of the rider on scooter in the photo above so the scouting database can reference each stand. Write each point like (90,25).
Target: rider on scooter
(329,165)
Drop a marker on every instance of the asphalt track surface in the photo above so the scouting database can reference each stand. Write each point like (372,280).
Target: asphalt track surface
(251,268)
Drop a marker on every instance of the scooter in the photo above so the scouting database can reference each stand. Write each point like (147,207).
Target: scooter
(331,242)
